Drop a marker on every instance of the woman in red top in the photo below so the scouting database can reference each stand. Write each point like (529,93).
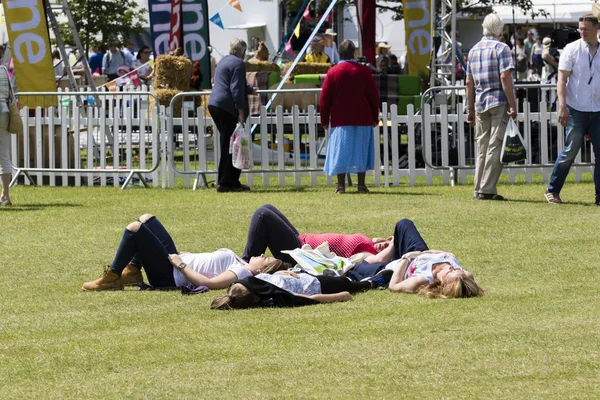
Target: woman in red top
(270,228)
(350,107)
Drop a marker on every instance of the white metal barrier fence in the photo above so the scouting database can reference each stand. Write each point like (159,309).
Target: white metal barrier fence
(88,138)
(288,140)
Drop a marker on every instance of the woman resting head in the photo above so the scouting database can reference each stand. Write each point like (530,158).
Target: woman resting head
(451,283)
(238,296)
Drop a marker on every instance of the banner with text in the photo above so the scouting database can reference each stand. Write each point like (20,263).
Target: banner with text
(196,37)
(160,25)
(32,55)
(418,36)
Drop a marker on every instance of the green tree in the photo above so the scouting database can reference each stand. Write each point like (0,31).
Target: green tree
(99,20)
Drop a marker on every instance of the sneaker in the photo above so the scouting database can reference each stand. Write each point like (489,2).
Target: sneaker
(382,278)
(554,198)
(109,280)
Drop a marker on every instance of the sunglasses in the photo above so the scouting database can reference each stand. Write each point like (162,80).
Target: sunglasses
(589,19)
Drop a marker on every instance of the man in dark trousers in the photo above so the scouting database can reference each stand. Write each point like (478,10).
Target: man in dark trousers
(228,106)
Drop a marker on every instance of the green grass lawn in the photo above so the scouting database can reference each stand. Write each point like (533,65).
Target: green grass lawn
(534,335)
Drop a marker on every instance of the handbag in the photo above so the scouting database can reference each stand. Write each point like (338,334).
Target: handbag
(239,148)
(15,122)
(513,145)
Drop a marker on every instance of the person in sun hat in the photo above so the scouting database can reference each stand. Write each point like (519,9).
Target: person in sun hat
(330,47)
(316,54)
(382,50)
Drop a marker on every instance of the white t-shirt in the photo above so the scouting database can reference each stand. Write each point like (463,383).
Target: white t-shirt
(582,94)
(211,265)
(423,265)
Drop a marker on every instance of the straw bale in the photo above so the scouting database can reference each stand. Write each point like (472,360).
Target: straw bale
(307,68)
(300,99)
(262,66)
(164,97)
(172,73)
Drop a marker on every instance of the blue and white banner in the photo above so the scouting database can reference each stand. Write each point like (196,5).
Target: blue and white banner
(216,19)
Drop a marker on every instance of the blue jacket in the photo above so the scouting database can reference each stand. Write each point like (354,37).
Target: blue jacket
(230,89)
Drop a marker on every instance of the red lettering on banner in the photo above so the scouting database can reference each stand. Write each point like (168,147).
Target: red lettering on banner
(175,31)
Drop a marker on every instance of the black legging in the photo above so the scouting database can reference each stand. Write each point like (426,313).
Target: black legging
(336,284)
(228,175)
(270,228)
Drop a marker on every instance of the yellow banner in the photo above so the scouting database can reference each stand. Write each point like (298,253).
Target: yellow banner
(32,55)
(417,26)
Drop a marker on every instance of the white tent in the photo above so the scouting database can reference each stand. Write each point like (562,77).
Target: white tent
(561,11)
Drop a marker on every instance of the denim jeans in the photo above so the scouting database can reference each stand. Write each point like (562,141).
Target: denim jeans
(406,239)
(580,123)
(270,228)
(148,248)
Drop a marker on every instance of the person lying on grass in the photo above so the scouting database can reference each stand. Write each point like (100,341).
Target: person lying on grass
(146,243)
(269,228)
(288,289)
(430,273)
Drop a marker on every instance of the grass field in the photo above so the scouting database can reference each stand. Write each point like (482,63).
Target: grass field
(534,335)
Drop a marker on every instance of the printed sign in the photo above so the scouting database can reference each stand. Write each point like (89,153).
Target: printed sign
(195,36)
(418,36)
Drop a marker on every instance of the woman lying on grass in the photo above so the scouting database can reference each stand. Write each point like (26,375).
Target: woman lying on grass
(269,228)
(146,243)
(430,273)
(288,289)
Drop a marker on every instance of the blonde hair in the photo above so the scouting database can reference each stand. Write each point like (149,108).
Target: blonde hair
(276,265)
(238,296)
(462,287)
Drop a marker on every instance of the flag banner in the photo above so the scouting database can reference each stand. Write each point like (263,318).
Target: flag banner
(216,19)
(306,14)
(175,26)
(160,25)
(236,4)
(28,33)
(112,86)
(196,35)
(288,47)
(418,36)
(297,30)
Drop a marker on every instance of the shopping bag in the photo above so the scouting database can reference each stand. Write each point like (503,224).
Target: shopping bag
(239,148)
(513,145)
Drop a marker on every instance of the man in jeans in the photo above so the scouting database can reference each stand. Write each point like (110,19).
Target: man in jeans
(579,104)
(491,101)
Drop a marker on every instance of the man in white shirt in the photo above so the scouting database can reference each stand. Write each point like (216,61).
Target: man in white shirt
(579,104)
(129,53)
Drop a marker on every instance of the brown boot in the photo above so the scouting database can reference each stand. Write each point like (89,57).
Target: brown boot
(131,275)
(108,281)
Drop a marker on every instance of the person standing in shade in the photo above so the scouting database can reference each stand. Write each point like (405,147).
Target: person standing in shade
(228,106)
(331,47)
(491,101)
(350,107)
(579,104)
(113,59)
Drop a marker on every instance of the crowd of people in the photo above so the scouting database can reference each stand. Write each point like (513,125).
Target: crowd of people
(402,262)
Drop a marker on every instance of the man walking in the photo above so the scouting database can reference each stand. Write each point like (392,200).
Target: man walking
(579,104)
(491,101)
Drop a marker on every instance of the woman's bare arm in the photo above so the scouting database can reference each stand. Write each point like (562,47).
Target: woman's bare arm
(329,298)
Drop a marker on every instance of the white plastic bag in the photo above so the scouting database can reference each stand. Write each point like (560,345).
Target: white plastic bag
(513,145)
(239,148)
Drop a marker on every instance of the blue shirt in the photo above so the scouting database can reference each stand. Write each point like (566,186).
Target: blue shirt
(95,62)
(487,60)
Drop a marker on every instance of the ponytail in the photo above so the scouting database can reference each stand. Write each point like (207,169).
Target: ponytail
(238,296)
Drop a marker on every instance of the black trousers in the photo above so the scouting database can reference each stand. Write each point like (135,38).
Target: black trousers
(336,284)
(270,228)
(228,175)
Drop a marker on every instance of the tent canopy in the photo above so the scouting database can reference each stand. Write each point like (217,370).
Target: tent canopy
(563,11)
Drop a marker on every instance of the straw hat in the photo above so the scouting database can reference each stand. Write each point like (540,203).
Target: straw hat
(383,45)
(329,32)
(547,42)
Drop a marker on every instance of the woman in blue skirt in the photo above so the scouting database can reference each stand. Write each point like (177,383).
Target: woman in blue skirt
(350,108)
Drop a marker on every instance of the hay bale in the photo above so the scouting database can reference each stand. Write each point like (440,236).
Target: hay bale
(172,73)
(300,99)
(164,97)
(202,101)
(306,68)
(262,66)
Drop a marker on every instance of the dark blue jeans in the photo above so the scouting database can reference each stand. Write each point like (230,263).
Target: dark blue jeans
(270,228)
(406,239)
(148,248)
(580,123)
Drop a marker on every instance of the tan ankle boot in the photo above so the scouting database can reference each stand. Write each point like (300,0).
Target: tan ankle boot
(131,275)
(108,281)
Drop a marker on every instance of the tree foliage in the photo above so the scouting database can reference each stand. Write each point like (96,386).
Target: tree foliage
(99,20)
(473,7)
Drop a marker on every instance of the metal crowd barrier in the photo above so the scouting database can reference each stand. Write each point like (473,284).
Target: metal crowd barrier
(90,124)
